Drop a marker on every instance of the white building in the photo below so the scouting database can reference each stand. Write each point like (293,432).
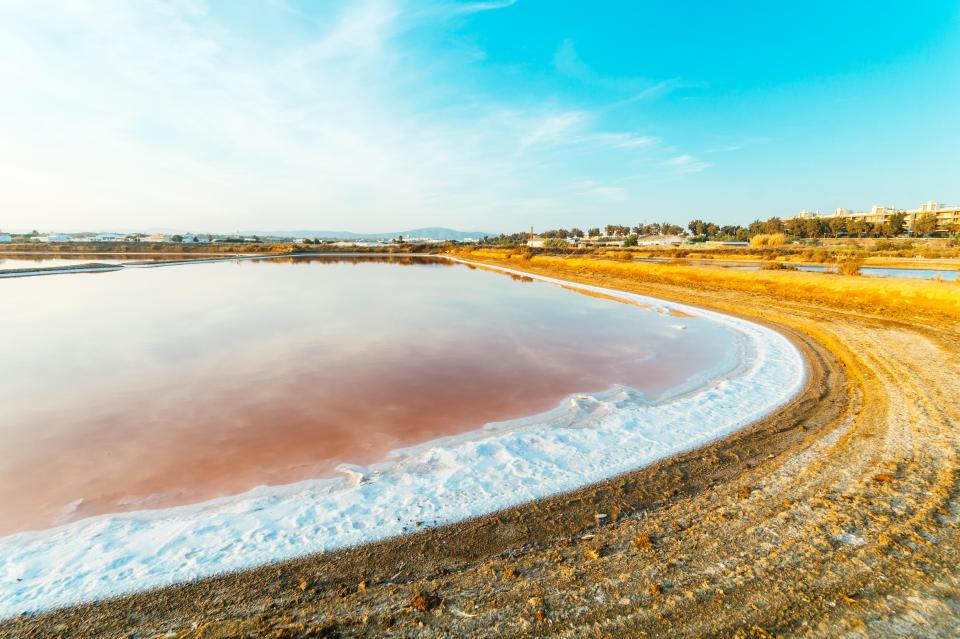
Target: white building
(4,237)
(947,216)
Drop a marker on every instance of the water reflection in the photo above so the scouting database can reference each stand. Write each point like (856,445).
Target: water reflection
(360,258)
(163,386)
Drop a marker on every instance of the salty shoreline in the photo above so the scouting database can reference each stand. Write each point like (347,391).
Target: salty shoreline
(572,456)
(839,513)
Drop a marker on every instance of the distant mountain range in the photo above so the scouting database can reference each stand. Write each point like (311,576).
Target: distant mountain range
(431,232)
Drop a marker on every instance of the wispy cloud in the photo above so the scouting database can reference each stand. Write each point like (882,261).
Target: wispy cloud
(687,164)
(636,89)
(578,128)
(739,144)
(602,192)
(567,62)
(555,128)
(474,7)
(624,140)
(362,30)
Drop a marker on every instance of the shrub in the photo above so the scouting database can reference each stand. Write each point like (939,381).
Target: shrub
(850,264)
(777,266)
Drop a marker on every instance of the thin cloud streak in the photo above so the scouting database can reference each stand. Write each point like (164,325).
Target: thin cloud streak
(687,164)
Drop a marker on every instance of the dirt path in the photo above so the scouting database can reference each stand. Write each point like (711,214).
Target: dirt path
(836,516)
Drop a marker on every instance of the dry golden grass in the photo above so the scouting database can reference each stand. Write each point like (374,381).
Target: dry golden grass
(765,239)
(900,297)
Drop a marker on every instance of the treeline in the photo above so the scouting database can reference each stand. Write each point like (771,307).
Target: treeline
(818,227)
(640,230)
(925,225)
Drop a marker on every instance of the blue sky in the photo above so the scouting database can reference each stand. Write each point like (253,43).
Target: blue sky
(490,115)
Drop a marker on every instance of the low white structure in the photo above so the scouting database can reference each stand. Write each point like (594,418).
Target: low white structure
(660,240)
(4,237)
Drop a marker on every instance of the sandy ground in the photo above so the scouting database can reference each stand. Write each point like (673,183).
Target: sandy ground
(836,516)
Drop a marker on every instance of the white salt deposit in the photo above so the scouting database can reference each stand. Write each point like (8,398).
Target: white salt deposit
(586,439)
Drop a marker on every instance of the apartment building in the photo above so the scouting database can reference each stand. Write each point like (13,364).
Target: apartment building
(948,217)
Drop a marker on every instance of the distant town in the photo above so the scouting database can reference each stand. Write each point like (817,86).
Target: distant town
(211,238)
(930,219)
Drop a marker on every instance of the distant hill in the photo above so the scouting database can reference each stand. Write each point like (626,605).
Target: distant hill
(432,233)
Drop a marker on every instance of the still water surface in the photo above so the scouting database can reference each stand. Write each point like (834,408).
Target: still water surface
(48,260)
(147,388)
(946,275)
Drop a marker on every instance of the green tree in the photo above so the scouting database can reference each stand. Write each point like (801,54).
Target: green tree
(894,225)
(176,238)
(773,225)
(924,225)
(697,227)
(837,224)
(857,227)
(811,227)
(795,227)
